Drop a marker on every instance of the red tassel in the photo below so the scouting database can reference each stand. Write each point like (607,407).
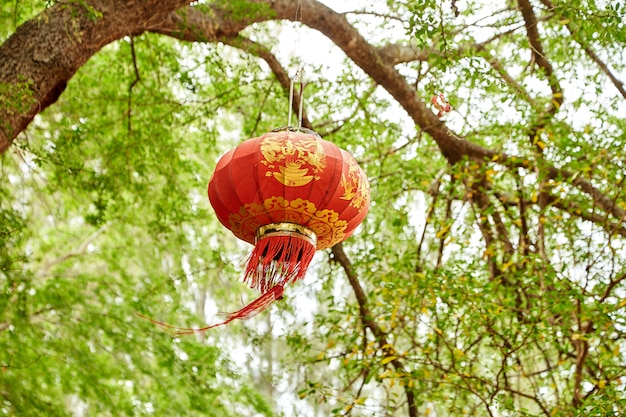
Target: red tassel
(278,260)
(282,254)
(252,309)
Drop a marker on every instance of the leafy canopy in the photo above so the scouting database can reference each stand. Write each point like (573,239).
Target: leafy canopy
(487,279)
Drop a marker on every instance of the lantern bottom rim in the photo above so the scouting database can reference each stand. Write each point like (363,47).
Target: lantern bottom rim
(286,229)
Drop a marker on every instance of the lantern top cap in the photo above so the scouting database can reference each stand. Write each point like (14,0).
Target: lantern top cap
(296,129)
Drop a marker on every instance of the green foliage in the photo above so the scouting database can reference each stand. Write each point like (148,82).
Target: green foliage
(103,217)
(15,12)
(489,287)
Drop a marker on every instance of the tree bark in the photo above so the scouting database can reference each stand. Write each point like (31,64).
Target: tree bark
(39,59)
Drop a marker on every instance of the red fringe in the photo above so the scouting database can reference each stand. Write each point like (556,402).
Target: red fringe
(278,260)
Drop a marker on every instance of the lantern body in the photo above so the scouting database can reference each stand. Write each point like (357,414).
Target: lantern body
(289,193)
(293,177)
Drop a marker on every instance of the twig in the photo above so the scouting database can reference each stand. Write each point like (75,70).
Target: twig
(133,83)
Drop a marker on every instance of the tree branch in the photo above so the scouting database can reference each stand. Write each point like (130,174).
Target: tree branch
(540,59)
(368,320)
(38,60)
(80,250)
(591,53)
(279,72)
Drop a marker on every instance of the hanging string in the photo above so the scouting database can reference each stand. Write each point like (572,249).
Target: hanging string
(292,81)
(298,76)
(296,79)
(300,109)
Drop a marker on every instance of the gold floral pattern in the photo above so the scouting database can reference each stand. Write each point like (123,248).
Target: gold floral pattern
(326,224)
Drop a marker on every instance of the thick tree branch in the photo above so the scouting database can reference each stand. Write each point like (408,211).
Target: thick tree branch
(533,37)
(453,148)
(394,54)
(200,25)
(38,60)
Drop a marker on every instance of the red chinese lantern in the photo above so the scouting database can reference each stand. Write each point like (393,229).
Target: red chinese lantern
(288,193)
